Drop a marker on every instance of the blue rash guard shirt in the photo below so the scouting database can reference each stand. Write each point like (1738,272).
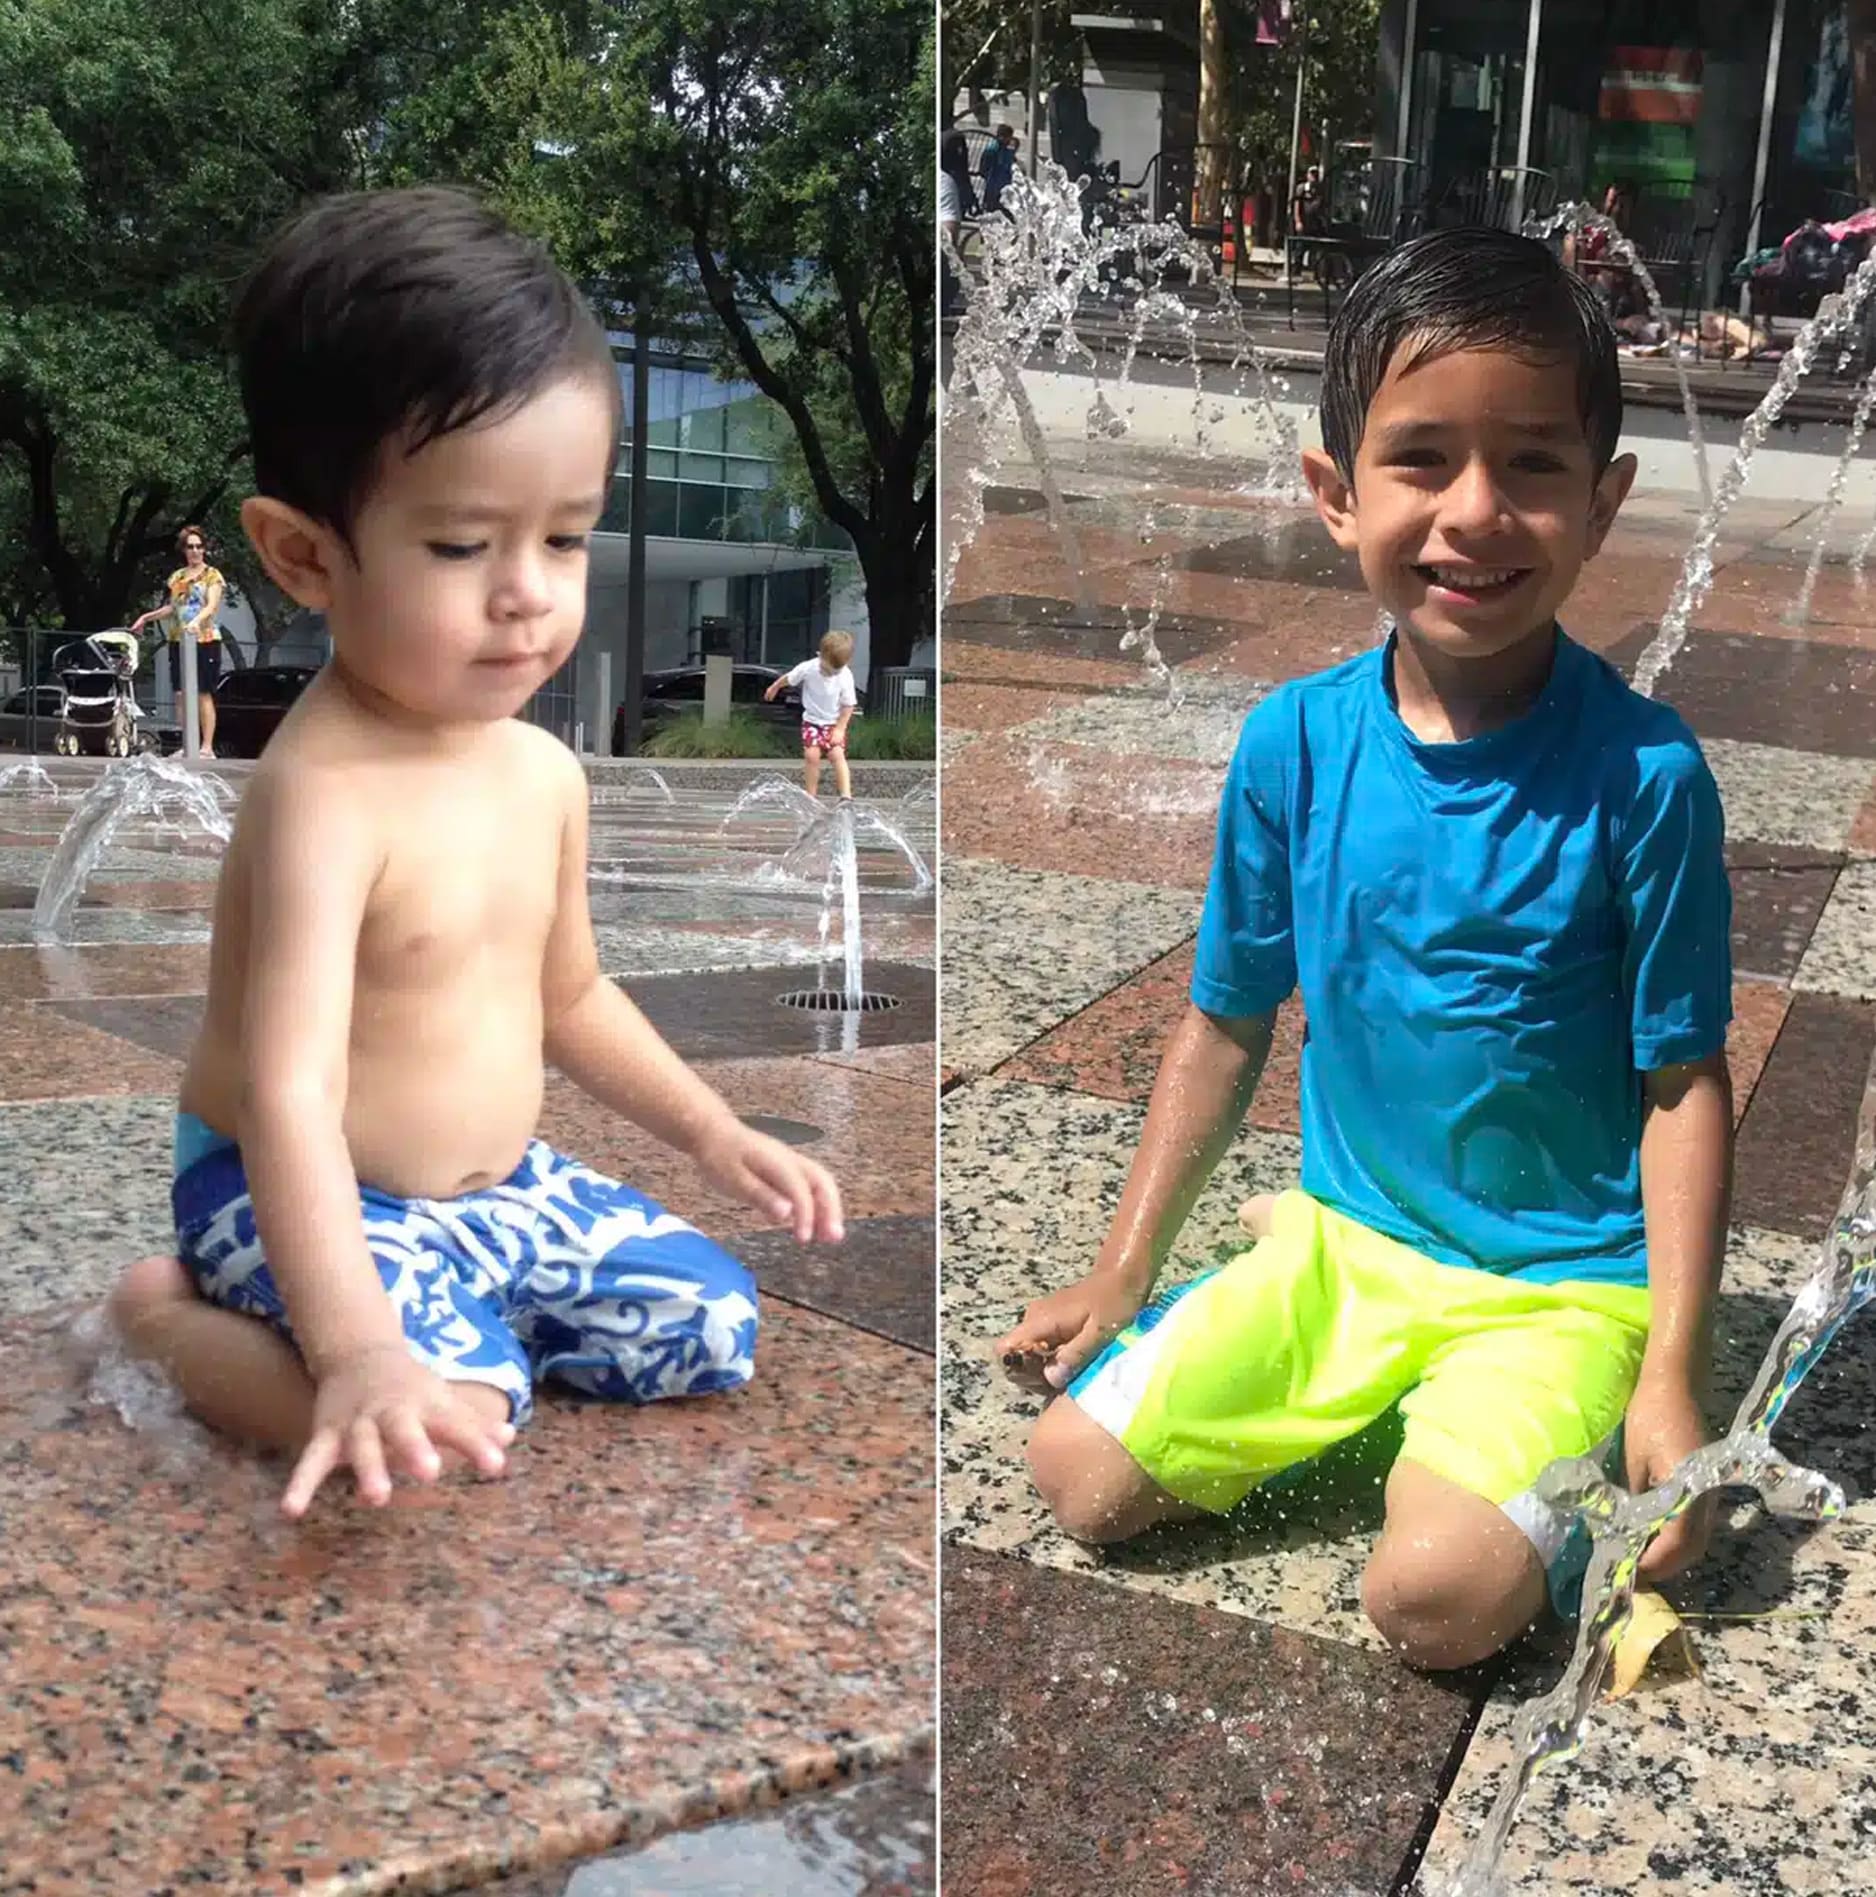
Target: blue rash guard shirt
(1493,938)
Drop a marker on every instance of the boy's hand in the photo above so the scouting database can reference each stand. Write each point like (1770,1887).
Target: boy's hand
(775,1179)
(1069,1326)
(378,1409)
(1664,1427)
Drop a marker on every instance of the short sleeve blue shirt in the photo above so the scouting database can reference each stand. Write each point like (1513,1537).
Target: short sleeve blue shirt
(1493,940)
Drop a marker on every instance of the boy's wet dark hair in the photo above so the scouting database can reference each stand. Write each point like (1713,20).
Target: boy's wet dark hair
(387,314)
(1468,289)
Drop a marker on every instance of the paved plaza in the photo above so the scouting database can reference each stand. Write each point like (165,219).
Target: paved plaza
(663,1617)
(1206,1709)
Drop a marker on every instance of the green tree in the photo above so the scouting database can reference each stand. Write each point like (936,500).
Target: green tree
(1338,84)
(763,173)
(984,47)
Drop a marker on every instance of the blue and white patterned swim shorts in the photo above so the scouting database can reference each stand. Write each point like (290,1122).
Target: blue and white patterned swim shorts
(556,1272)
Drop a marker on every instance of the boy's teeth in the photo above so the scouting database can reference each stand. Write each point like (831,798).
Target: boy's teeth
(1463,577)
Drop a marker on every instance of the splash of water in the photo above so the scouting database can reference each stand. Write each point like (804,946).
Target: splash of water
(1622,252)
(32,776)
(776,792)
(146,787)
(1833,498)
(1550,1729)
(1038,265)
(1835,316)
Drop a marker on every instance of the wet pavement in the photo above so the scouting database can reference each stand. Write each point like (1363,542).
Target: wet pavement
(688,1619)
(1207,1708)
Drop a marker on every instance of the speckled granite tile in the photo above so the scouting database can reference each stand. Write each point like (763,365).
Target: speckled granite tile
(876,1137)
(89,1193)
(661,1615)
(627,953)
(196,861)
(1759,1009)
(883,1277)
(953,742)
(874,1838)
(1114,1047)
(62,974)
(737,1013)
(1778,895)
(1795,1140)
(1795,797)
(1023,949)
(1800,694)
(1759,1777)
(1048,671)
(164,1024)
(1083,811)
(915,1064)
(151,893)
(1200,1753)
(1200,721)
(46,1057)
(91,925)
(1038,624)
(1841,956)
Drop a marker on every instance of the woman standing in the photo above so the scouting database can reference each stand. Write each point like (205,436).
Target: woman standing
(195,591)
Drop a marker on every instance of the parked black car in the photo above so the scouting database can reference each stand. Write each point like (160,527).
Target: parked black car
(672,693)
(249,705)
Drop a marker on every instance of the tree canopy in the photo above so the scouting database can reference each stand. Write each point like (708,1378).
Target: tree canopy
(761,169)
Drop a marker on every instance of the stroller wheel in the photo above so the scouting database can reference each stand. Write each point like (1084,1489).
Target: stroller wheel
(66,744)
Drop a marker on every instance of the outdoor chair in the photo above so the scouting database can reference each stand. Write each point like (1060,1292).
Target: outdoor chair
(1672,235)
(1498,197)
(1389,216)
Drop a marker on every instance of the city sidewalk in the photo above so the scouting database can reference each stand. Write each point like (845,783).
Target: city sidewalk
(1207,1709)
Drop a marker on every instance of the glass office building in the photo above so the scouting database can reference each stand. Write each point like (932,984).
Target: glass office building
(1739,107)
(731,565)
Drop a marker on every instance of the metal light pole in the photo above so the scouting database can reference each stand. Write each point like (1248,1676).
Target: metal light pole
(1035,82)
(1296,123)
(635,539)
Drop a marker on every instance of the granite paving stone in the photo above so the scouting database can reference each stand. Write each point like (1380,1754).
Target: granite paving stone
(1839,959)
(1024,948)
(1774,795)
(882,1278)
(875,1136)
(1797,1137)
(59,973)
(1759,1776)
(1778,895)
(46,1056)
(1800,694)
(1095,1740)
(1084,813)
(483,1678)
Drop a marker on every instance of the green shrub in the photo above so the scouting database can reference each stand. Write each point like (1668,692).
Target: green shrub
(884,740)
(740,735)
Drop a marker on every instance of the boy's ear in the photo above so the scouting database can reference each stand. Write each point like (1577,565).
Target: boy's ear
(1334,496)
(297,552)
(1611,491)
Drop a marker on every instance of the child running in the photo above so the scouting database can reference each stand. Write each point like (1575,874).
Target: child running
(378,1259)
(827,702)
(1495,875)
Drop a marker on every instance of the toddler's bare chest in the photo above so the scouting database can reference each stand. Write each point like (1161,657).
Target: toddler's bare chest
(460,899)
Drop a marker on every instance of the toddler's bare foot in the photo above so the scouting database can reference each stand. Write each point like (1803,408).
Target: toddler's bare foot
(1258,1214)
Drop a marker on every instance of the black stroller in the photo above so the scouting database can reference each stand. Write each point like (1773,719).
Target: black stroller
(100,715)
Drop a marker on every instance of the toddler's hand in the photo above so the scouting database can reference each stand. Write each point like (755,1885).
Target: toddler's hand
(381,1408)
(777,1180)
(1663,1428)
(1068,1327)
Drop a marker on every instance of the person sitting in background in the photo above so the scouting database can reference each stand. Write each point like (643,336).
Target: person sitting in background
(998,166)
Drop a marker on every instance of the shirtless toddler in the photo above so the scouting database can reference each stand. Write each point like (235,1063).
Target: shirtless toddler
(378,1259)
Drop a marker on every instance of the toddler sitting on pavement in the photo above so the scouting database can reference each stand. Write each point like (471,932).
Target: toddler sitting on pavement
(378,1258)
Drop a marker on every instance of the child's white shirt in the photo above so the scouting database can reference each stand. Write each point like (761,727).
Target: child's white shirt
(824,695)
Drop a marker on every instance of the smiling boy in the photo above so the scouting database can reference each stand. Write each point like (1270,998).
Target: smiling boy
(1495,874)
(378,1259)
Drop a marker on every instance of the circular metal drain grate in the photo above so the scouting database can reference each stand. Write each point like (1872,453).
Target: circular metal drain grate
(830,1001)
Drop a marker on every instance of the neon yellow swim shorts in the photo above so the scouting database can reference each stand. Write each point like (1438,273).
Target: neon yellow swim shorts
(1324,1326)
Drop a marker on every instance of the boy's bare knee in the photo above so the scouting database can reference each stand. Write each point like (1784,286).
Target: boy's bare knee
(147,1292)
(1093,1487)
(1440,1614)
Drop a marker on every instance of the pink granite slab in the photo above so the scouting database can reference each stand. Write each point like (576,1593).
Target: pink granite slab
(660,1615)
(44,1056)
(877,1138)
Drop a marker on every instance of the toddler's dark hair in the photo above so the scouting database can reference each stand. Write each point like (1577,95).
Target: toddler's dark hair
(382,314)
(1468,289)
